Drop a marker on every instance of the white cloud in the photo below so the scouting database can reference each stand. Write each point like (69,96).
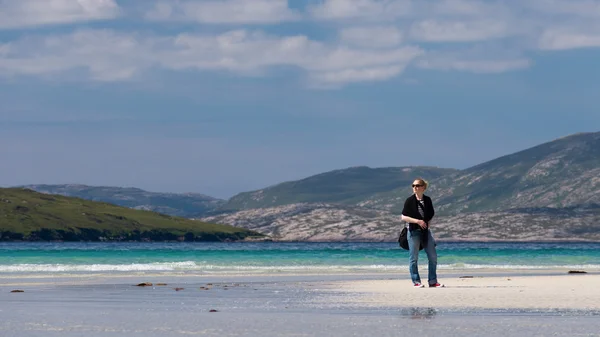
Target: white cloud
(224,11)
(466,9)
(464,20)
(371,44)
(106,55)
(477,66)
(339,77)
(110,56)
(458,31)
(375,10)
(245,51)
(372,37)
(24,13)
(476,60)
(578,8)
(501,31)
(561,39)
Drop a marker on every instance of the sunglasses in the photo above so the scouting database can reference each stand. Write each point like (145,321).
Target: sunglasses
(417,185)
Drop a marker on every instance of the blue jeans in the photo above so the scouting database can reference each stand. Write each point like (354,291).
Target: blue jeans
(414,241)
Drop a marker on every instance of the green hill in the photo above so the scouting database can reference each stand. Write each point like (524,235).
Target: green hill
(347,186)
(29,215)
(187,205)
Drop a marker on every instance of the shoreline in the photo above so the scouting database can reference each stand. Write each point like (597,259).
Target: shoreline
(271,240)
(486,289)
(531,303)
(357,275)
(380,288)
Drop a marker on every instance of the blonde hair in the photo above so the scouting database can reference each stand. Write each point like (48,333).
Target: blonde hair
(422,181)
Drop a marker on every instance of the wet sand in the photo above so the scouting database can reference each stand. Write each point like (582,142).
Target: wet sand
(299,305)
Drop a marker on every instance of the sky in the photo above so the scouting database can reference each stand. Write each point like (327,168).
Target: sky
(225,96)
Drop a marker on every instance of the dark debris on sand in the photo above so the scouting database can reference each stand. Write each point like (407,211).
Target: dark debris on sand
(144,284)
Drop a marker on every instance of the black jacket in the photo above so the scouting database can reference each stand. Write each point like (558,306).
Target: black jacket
(410,209)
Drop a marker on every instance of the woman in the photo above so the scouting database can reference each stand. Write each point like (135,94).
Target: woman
(418,212)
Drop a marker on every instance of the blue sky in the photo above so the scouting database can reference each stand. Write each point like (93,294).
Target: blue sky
(221,97)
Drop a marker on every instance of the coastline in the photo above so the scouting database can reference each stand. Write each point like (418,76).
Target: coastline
(475,289)
(295,289)
(275,240)
(542,302)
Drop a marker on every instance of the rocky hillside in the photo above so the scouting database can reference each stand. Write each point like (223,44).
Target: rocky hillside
(176,204)
(315,222)
(325,222)
(548,192)
(561,173)
(347,187)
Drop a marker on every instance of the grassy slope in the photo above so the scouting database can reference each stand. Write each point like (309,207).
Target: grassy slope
(348,186)
(187,205)
(41,216)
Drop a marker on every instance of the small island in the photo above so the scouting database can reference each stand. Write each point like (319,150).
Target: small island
(26,215)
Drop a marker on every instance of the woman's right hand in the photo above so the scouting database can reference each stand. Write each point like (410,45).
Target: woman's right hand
(422,224)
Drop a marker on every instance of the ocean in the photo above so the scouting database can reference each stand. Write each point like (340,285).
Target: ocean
(289,289)
(283,258)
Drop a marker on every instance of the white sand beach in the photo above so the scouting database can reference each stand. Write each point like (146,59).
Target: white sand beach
(298,305)
(573,291)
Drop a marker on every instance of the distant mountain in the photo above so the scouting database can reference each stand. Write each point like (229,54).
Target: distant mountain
(347,186)
(561,173)
(186,205)
(326,223)
(26,215)
(547,192)
(557,174)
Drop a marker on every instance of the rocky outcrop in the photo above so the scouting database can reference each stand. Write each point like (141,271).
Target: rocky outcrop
(324,222)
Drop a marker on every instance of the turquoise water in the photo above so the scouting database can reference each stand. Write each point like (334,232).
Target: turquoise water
(270,257)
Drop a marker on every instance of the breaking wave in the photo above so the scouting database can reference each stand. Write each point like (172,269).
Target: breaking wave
(191,266)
